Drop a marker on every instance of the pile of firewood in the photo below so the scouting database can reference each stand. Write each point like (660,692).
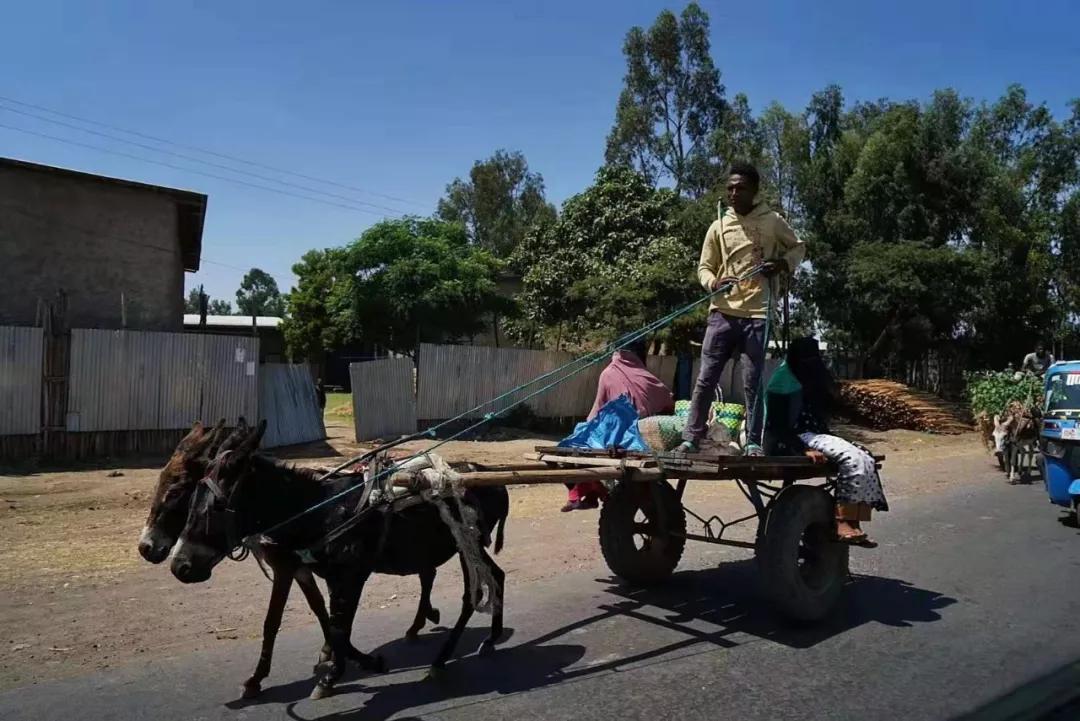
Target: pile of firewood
(884,405)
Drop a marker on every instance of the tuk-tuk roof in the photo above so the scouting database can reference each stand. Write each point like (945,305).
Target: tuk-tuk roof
(1063,367)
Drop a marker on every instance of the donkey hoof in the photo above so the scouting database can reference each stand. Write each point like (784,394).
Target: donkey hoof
(321,691)
(433,615)
(413,634)
(251,689)
(486,648)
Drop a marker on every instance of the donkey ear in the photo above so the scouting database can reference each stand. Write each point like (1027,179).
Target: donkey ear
(215,437)
(251,443)
(193,436)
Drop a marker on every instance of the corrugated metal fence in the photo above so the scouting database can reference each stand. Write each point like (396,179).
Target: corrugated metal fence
(20,380)
(137,380)
(384,400)
(288,402)
(454,378)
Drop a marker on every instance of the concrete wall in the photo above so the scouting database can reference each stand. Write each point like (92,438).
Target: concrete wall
(95,241)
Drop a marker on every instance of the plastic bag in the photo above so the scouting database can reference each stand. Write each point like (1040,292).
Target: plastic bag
(615,426)
(783,402)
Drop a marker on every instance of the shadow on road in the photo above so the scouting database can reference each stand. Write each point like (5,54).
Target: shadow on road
(710,609)
(727,597)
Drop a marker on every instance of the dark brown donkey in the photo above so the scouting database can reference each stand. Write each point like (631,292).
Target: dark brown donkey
(169,509)
(249,495)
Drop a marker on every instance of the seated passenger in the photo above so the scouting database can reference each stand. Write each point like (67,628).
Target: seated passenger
(626,374)
(805,430)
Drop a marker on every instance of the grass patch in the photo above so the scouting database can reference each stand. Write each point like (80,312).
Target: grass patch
(339,405)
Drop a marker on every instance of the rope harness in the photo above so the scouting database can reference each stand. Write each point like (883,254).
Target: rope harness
(239,547)
(444,482)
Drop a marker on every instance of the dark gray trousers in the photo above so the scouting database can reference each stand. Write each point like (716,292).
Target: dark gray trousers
(725,336)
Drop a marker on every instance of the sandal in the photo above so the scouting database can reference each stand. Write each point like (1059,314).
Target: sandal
(857,539)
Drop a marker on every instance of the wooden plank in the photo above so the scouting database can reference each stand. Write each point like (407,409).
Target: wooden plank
(732,461)
(529,478)
(618,462)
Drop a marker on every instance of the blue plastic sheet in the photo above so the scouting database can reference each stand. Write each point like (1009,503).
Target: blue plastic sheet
(615,426)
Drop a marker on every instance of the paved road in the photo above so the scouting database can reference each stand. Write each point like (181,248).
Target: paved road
(975,592)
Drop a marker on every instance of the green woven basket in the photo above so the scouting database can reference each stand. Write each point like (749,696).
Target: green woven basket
(729,414)
(662,433)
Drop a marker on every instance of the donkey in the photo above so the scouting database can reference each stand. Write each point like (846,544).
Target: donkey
(245,494)
(169,510)
(1016,435)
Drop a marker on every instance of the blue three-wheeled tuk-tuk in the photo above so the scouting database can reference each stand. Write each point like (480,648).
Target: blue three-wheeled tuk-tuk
(1060,435)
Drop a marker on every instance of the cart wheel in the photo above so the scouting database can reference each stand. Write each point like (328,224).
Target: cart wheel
(629,532)
(803,570)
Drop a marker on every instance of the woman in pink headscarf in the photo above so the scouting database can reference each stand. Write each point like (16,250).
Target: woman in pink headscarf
(626,374)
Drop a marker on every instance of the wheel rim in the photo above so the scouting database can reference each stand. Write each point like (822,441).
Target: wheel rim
(645,534)
(642,538)
(810,557)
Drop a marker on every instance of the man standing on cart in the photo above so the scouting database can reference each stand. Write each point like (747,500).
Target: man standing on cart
(747,235)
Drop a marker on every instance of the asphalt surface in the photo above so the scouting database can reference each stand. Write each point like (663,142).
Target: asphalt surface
(972,603)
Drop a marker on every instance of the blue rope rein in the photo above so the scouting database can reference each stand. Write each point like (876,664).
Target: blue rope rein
(582,363)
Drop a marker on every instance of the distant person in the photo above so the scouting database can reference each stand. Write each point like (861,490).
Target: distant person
(747,236)
(1037,362)
(320,394)
(627,375)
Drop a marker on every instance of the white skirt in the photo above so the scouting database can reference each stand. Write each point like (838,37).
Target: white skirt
(858,480)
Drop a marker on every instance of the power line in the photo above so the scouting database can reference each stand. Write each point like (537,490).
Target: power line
(224,156)
(193,159)
(227,179)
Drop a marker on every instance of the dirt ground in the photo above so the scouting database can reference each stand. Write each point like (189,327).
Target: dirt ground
(78,597)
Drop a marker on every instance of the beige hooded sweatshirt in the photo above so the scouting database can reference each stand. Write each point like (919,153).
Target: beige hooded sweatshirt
(736,243)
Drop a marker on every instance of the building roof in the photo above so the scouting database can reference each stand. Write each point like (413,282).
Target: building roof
(191,320)
(190,206)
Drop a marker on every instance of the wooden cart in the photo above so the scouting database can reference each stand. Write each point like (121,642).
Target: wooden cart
(643,523)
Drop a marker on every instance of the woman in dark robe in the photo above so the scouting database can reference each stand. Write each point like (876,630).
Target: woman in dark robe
(798,424)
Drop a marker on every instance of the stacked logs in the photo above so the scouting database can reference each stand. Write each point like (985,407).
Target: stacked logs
(885,405)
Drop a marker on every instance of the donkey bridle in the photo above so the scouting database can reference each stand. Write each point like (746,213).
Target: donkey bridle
(238,545)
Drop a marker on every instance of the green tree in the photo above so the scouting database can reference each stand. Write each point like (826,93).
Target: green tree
(318,309)
(498,202)
(611,262)
(417,280)
(671,103)
(909,296)
(784,151)
(213,306)
(191,303)
(219,307)
(259,295)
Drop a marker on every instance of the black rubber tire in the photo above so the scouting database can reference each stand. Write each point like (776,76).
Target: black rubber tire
(657,557)
(800,527)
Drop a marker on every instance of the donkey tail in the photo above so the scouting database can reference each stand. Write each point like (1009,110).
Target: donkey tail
(500,535)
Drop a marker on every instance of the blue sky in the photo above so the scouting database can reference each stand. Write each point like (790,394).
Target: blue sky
(397,98)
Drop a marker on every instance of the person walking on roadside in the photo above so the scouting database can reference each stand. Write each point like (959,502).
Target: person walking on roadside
(747,235)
